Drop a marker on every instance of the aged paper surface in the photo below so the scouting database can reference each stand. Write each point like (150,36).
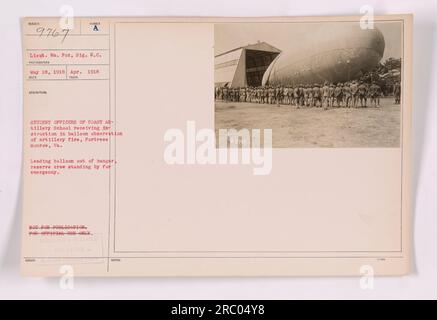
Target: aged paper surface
(123,116)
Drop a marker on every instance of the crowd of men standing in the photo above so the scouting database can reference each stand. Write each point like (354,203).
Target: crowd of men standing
(348,94)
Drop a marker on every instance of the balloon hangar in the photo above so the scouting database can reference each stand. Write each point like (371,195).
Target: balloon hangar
(335,54)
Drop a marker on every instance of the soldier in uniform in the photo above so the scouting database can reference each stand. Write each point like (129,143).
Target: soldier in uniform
(397,92)
(271,95)
(296,95)
(273,99)
(277,97)
(331,95)
(316,95)
(242,95)
(285,95)
(249,94)
(301,95)
(374,93)
(310,96)
(325,95)
(367,93)
(305,95)
(255,94)
(290,95)
(362,92)
(338,94)
(354,92)
(265,94)
(216,93)
(225,93)
(347,95)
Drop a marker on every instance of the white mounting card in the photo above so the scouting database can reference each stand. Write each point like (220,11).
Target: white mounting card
(276,146)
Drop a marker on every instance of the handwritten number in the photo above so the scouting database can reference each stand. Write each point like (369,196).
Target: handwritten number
(52,32)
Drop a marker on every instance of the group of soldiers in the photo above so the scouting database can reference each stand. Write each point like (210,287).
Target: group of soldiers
(329,95)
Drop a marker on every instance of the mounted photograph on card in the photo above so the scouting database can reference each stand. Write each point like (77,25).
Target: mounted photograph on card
(269,146)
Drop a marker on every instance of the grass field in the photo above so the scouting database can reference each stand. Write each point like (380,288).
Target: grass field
(316,127)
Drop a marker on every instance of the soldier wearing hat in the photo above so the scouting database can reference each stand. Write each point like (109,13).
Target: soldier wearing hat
(354,92)
(325,95)
(374,94)
(316,95)
(397,92)
(270,94)
(278,95)
(331,92)
(301,97)
(296,95)
(242,94)
(285,95)
(310,96)
(347,95)
(261,94)
(362,92)
(338,94)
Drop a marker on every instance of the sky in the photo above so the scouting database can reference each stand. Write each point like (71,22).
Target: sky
(289,36)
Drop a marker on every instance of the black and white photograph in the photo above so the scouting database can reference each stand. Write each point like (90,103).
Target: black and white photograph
(333,84)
